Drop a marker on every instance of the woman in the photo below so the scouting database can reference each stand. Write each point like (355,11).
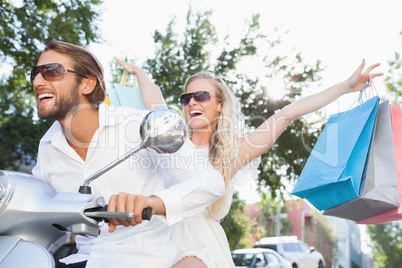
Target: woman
(211,112)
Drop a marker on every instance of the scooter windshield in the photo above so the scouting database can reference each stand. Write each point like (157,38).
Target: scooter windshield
(4,190)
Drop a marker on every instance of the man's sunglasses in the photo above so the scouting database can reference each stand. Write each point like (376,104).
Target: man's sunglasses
(51,72)
(199,96)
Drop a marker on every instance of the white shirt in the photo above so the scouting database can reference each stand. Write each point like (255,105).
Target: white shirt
(148,244)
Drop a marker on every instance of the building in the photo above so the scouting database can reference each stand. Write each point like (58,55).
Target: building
(348,252)
(301,216)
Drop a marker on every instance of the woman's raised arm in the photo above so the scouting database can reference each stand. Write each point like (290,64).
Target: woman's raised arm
(150,93)
(264,136)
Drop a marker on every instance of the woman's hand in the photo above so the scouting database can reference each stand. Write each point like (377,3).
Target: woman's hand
(129,67)
(359,79)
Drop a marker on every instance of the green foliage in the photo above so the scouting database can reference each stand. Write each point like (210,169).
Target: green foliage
(236,224)
(393,80)
(176,60)
(24,32)
(284,160)
(387,244)
(267,219)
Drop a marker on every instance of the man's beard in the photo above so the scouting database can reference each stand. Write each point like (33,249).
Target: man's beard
(62,107)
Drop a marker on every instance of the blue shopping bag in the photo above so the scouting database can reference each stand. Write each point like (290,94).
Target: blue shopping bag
(333,172)
(122,95)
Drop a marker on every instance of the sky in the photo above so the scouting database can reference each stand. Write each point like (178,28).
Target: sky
(339,33)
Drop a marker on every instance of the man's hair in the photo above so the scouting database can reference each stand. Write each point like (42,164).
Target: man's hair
(84,62)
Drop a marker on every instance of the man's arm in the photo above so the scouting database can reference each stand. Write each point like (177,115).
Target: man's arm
(197,186)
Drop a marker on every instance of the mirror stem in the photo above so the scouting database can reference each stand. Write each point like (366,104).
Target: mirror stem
(85,189)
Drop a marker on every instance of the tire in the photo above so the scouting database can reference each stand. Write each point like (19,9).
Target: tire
(320,265)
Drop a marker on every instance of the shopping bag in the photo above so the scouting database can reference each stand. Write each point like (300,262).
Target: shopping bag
(333,172)
(394,214)
(378,192)
(122,95)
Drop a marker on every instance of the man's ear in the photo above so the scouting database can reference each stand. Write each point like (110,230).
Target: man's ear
(88,85)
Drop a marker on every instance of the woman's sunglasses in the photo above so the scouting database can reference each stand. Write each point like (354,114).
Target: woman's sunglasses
(199,96)
(51,72)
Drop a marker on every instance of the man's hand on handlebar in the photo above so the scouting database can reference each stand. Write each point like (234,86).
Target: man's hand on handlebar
(124,202)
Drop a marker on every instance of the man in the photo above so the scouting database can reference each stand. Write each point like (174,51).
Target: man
(86,136)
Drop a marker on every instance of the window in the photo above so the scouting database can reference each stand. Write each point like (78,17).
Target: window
(304,247)
(272,259)
(243,259)
(273,247)
(291,247)
(259,258)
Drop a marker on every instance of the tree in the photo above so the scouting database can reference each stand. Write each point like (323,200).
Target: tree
(267,217)
(24,31)
(174,61)
(236,224)
(387,244)
(393,79)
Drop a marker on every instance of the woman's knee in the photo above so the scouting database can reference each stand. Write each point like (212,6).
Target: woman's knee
(190,261)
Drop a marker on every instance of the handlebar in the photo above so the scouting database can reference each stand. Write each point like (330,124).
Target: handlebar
(105,215)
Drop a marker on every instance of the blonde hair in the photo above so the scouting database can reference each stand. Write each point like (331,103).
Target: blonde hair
(223,147)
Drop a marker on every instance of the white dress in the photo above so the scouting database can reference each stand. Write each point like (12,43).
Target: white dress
(202,236)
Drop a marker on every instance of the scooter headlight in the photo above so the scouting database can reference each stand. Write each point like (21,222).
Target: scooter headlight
(5,190)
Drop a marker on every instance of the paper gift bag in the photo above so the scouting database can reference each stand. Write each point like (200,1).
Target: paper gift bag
(378,192)
(333,172)
(122,95)
(394,214)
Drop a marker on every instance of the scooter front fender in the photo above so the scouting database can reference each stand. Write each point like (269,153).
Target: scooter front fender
(15,252)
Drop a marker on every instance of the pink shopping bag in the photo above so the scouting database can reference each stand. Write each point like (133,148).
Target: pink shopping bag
(395,214)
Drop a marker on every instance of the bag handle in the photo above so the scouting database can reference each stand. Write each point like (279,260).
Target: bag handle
(372,88)
(124,78)
(370,85)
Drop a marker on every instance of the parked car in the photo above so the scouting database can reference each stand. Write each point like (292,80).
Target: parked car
(259,257)
(297,252)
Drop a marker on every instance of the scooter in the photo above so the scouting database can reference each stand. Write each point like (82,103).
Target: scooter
(33,215)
